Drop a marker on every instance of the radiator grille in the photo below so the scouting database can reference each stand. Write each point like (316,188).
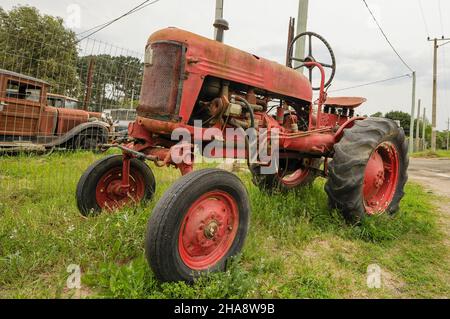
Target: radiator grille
(162,76)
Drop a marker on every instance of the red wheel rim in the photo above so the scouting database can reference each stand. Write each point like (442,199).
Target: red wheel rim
(109,194)
(380,178)
(295,178)
(208,230)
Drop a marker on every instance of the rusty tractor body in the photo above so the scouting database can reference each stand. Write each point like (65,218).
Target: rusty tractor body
(27,121)
(202,219)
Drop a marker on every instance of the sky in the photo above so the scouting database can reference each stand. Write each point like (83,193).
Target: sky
(260,27)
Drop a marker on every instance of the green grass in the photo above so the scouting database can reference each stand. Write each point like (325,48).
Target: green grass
(430,154)
(296,247)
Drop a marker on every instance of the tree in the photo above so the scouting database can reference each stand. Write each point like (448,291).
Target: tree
(378,114)
(116,80)
(403,117)
(40,46)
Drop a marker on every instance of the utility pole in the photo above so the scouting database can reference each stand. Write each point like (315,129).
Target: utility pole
(413,108)
(424,124)
(448,131)
(433,116)
(302,23)
(418,128)
(219,14)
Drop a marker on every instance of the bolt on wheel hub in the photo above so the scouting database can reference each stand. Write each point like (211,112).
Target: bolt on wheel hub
(211,229)
(208,230)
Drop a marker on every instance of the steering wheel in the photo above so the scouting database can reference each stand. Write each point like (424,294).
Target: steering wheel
(310,57)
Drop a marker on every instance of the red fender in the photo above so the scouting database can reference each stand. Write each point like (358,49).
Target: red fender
(346,125)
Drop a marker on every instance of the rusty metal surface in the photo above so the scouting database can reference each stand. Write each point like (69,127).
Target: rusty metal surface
(89,80)
(162,79)
(291,31)
(22,76)
(350,102)
(205,57)
(68,119)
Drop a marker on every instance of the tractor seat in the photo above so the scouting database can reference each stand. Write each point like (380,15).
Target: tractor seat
(349,102)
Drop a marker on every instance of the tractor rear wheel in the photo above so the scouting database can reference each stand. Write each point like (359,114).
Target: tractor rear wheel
(99,187)
(198,224)
(369,169)
(292,174)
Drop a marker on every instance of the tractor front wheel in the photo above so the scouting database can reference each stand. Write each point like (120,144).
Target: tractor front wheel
(369,169)
(199,223)
(100,186)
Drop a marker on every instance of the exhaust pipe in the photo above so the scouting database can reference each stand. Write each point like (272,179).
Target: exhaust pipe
(221,26)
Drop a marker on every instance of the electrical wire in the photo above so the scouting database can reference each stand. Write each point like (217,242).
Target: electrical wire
(440,16)
(100,27)
(387,39)
(423,18)
(372,83)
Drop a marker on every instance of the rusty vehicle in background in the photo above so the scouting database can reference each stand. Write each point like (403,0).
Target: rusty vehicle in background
(202,219)
(28,122)
(62,101)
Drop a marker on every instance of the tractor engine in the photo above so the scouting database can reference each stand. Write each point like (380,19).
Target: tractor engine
(189,78)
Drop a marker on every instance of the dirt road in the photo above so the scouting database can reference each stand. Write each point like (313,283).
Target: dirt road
(434,174)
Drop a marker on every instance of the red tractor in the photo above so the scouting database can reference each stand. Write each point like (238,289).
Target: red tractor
(202,219)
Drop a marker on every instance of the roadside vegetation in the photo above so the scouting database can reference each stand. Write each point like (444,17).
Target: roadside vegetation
(430,154)
(296,247)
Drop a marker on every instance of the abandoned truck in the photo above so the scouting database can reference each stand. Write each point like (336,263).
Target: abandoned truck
(202,219)
(28,122)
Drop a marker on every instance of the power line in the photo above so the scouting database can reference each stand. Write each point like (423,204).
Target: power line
(440,16)
(385,36)
(423,18)
(372,83)
(100,27)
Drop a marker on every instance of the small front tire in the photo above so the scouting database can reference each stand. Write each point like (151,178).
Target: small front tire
(199,223)
(97,187)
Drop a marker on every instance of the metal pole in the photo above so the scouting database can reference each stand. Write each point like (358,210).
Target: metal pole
(302,23)
(413,108)
(434,110)
(424,124)
(448,131)
(433,114)
(89,80)
(418,128)
(291,35)
(219,14)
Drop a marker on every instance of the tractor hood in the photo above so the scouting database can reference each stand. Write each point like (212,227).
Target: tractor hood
(206,57)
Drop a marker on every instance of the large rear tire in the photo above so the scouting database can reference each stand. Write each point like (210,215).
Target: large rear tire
(369,169)
(199,223)
(97,188)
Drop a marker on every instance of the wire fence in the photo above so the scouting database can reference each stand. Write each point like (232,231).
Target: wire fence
(48,89)
(61,97)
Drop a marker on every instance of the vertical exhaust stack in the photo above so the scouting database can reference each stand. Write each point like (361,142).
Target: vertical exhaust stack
(221,26)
